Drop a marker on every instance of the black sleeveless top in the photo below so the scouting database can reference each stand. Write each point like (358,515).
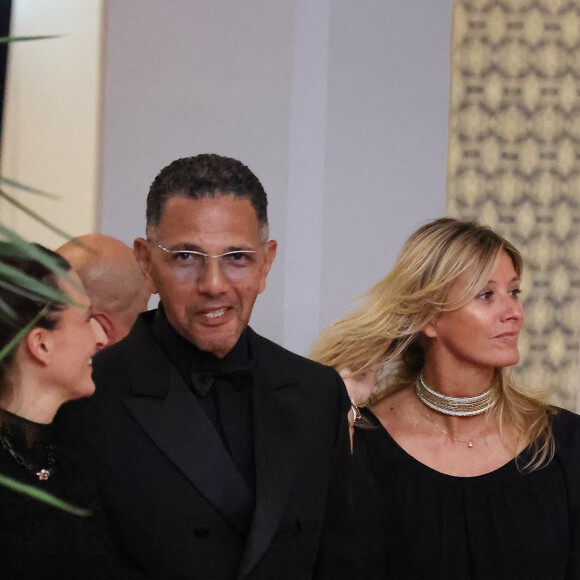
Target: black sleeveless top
(501,525)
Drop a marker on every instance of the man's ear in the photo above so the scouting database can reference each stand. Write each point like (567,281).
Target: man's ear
(107,325)
(270,248)
(39,343)
(142,253)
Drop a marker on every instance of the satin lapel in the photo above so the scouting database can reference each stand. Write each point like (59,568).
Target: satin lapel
(174,420)
(276,447)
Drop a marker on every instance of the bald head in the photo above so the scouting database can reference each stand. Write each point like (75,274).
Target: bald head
(112,278)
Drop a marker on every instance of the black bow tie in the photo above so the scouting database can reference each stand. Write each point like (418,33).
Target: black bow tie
(203,378)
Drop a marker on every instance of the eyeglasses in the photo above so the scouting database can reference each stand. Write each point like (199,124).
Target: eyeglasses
(191,264)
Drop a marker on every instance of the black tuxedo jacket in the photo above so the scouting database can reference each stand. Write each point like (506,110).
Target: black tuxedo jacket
(177,505)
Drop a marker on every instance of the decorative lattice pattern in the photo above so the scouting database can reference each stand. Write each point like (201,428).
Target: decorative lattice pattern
(514,162)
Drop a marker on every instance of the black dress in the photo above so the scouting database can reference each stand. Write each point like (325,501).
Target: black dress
(501,525)
(38,540)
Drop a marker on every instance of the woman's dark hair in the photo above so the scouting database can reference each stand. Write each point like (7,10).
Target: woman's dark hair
(25,307)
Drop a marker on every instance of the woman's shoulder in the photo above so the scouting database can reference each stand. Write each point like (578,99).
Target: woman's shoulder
(384,418)
(393,404)
(566,428)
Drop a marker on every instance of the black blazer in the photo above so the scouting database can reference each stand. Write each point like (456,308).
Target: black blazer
(177,505)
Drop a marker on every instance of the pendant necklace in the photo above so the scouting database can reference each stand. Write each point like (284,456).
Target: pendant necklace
(42,474)
(469,442)
(455,407)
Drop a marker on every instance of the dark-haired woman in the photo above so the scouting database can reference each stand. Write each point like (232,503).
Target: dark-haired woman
(476,478)
(49,366)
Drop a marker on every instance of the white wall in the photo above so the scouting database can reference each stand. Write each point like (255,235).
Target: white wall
(339,107)
(187,77)
(386,140)
(51,125)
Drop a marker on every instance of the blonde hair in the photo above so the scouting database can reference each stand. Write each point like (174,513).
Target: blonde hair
(385,330)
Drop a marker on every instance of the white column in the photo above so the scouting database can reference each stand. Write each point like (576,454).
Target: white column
(304,242)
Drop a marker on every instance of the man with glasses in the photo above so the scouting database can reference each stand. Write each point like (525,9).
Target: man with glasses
(219,454)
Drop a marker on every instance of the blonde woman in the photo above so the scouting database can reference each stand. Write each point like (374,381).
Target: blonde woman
(475,477)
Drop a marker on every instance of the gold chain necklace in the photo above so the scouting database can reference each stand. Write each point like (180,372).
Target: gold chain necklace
(469,442)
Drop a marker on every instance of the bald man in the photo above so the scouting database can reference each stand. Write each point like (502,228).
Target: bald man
(112,278)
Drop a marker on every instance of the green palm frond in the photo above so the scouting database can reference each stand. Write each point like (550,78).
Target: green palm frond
(13,279)
(20,248)
(16,281)
(15,341)
(27,188)
(7,39)
(43,496)
(25,209)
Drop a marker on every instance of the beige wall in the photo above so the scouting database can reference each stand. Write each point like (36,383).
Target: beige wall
(51,132)
(339,107)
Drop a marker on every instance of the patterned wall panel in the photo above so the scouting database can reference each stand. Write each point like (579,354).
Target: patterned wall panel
(514,162)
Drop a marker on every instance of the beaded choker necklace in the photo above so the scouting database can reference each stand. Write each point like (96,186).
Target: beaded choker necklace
(455,406)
